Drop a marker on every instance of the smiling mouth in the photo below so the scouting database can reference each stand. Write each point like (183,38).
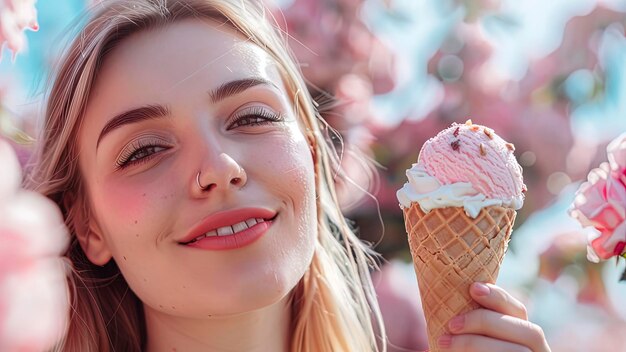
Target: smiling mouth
(231,230)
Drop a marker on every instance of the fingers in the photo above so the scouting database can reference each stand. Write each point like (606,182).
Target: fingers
(494,298)
(477,343)
(501,327)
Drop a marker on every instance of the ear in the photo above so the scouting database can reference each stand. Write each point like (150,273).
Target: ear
(87,231)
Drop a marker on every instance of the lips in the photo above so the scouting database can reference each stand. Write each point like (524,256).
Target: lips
(231,228)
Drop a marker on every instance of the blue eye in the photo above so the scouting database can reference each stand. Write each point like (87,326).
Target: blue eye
(139,152)
(255,116)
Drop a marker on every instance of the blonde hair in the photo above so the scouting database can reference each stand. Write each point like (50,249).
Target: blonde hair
(334,304)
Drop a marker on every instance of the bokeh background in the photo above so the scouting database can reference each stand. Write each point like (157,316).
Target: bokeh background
(548,76)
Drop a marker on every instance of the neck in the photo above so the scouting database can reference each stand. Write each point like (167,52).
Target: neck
(266,329)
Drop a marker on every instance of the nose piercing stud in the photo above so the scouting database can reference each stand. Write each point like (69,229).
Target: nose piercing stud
(204,188)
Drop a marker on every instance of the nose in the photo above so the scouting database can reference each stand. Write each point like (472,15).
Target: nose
(220,173)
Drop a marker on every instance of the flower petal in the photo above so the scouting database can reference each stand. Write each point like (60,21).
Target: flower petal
(605,245)
(590,198)
(15,17)
(616,151)
(11,175)
(39,222)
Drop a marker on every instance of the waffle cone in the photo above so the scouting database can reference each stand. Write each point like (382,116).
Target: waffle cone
(451,251)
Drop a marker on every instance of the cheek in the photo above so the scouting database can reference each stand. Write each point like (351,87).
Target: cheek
(292,179)
(133,215)
(292,172)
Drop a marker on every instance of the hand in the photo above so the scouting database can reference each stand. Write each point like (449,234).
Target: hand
(501,325)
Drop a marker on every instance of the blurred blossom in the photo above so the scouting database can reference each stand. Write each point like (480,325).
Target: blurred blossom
(33,293)
(527,158)
(353,94)
(579,86)
(601,203)
(15,17)
(399,297)
(566,256)
(599,120)
(557,181)
(617,5)
(330,39)
(522,31)
(450,68)
(588,330)
(564,250)
(416,29)
(616,152)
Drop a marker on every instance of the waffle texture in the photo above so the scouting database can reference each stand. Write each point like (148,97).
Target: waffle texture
(451,251)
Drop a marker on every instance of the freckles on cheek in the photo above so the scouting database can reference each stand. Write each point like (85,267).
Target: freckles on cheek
(132,204)
(126,204)
(292,162)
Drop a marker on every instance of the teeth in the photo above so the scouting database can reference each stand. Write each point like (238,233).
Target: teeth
(225,231)
(240,226)
(229,230)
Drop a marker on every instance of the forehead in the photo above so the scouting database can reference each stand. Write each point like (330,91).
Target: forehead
(157,63)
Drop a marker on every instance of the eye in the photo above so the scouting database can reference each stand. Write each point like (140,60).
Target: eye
(141,151)
(254,116)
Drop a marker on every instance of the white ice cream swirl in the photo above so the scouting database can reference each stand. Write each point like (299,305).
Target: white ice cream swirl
(429,193)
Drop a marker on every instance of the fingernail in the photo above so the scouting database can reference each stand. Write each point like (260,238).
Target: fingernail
(456,324)
(480,289)
(444,341)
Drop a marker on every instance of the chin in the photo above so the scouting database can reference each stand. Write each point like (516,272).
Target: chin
(233,297)
(272,289)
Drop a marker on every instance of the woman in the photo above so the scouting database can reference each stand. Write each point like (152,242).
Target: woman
(192,170)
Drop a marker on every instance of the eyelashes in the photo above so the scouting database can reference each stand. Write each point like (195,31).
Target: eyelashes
(140,151)
(254,116)
(143,150)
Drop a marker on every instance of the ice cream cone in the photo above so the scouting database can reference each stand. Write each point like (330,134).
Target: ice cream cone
(451,251)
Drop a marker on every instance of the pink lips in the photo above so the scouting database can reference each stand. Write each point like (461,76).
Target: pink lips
(229,234)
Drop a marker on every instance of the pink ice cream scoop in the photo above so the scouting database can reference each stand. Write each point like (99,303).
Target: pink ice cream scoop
(476,155)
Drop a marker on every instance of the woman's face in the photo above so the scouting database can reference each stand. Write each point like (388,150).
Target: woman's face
(212,103)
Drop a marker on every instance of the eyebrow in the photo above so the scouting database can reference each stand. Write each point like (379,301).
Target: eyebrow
(155,111)
(234,87)
(147,112)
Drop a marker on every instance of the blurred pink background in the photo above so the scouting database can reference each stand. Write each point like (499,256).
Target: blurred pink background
(549,77)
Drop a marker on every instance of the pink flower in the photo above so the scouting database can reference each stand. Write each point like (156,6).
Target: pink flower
(616,151)
(15,17)
(33,291)
(601,203)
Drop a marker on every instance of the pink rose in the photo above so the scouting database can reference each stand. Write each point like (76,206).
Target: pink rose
(616,151)
(33,291)
(15,17)
(601,202)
